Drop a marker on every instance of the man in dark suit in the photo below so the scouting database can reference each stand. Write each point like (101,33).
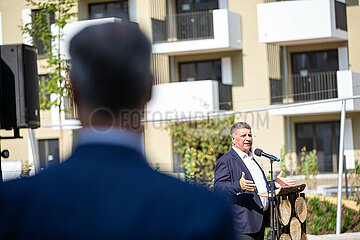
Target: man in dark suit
(106,190)
(241,177)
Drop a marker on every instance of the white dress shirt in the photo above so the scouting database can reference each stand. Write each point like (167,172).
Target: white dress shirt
(256,174)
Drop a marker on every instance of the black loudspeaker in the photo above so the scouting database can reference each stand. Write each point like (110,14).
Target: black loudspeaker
(19,83)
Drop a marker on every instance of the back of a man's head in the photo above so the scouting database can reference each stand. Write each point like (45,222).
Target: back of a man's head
(111,66)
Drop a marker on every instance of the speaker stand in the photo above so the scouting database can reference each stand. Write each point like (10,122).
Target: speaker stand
(5,153)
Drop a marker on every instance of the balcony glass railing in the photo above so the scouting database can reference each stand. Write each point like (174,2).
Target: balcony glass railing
(312,87)
(183,26)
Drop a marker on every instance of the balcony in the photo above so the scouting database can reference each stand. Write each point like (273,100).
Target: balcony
(197,32)
(314,87)
(188,99)
(302,22)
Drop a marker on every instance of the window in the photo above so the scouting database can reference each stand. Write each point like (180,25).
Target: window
(314,75)
(118,9)
(46,18)
(311,62)
(195,5)
(340,16)
(202,70)
(322,136)
(49,153)
(352,2)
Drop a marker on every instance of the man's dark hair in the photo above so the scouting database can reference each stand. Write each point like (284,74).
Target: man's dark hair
(238,125)
(111,66)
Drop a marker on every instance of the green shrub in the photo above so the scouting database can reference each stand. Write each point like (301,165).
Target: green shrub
(354,178)
(201,143)
(322,217)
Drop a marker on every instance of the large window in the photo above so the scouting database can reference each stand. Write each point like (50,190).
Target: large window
(322,136)
(202,70)
(311,62)
(49,153)
(118,9)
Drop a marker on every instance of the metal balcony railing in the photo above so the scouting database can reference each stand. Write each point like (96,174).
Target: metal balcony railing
(183,26)
(312,87)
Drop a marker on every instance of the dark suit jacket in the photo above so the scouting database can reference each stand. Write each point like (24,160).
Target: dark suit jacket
(246,205)
(109,192)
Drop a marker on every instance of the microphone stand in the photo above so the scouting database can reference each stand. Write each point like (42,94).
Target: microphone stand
(272,217)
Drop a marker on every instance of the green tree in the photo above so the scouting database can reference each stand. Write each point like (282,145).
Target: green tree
(201,144)
(57,82)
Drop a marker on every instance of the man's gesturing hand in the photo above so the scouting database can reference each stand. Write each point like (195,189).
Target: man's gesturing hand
(284,182)
(246,185)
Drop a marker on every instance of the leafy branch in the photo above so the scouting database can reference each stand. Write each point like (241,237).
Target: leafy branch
(201,144)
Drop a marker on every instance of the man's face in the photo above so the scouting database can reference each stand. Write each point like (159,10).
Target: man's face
(242,140)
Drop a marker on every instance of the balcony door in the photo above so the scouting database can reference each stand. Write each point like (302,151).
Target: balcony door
(193,19)
(322,136)
(314,75)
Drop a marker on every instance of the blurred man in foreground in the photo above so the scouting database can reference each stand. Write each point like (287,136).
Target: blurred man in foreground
(240,176)
(106,190)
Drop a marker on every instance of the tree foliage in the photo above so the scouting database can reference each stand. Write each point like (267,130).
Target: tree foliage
(200,144)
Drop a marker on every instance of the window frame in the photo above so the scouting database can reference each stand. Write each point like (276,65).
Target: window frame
(106,7)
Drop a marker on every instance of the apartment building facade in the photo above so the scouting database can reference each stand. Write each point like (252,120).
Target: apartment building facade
(220,55)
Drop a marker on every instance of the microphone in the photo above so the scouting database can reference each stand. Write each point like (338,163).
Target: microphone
(258,152)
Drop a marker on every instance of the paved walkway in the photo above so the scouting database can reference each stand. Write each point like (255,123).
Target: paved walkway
(343,236)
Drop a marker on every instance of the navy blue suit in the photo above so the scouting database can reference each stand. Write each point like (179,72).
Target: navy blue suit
(109,192)
(246,205)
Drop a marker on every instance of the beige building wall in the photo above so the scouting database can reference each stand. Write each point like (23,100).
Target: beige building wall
(353,19)
(255,90)
(158,146)
(11,20)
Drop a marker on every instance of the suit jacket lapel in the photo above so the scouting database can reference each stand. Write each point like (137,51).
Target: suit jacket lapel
(247,175)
